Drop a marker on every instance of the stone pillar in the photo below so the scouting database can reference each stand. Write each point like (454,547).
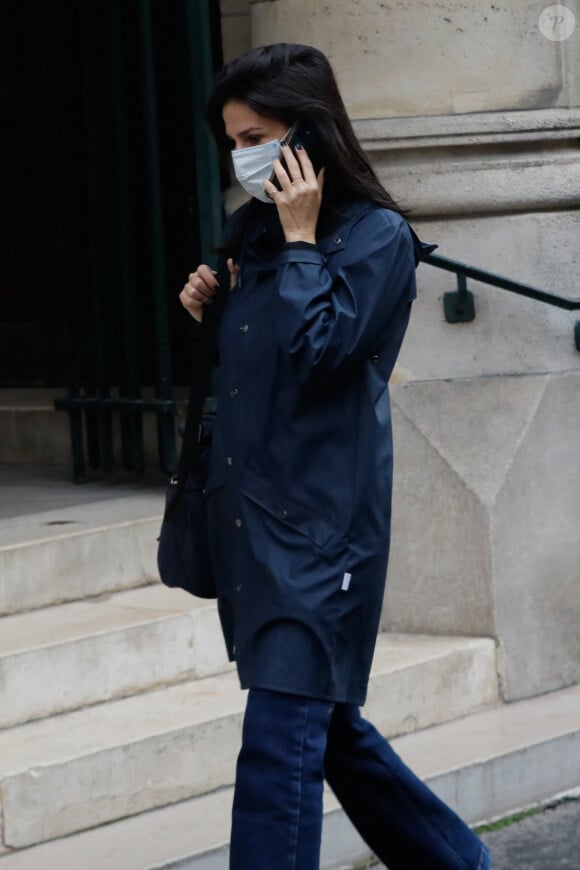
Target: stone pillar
(236,33)
(470,112)
(486,520)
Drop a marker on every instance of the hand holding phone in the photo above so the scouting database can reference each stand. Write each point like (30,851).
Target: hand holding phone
(304,135)
(296,192)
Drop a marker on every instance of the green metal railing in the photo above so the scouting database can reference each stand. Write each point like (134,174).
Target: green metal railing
(459,306)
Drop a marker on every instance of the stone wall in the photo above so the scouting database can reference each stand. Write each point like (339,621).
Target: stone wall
(414,57)
(236,30)
(471,116)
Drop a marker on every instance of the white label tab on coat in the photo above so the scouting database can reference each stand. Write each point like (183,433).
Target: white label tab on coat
(346,582)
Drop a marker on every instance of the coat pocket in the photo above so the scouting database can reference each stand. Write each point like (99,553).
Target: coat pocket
(287,510)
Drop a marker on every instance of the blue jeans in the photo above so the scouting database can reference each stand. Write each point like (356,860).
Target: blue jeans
(290,744)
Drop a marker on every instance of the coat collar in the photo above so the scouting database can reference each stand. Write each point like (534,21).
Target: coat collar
(265,236)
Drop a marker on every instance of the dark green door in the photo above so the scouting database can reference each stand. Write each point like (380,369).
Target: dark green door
(128,204)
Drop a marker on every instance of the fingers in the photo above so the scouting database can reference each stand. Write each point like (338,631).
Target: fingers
(202,284)
(298,177)
(299,165)
(306,164)
(234,270)
(294,170)
(199,290)
(281,175)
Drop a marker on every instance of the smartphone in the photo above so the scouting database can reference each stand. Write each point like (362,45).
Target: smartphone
(305,135)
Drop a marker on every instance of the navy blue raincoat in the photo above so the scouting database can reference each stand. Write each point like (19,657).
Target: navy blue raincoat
(299,488)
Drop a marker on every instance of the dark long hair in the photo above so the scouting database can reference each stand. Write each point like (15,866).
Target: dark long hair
(296,83)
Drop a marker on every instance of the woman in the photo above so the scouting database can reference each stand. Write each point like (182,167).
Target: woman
(322,268)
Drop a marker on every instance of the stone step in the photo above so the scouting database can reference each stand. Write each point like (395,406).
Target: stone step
(486,765)
(32,432)
(83,550)
(69,656)
(82,769)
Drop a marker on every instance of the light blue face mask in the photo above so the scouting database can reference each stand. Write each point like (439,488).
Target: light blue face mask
(253,165)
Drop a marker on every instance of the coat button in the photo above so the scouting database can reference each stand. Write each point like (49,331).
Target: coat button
(244,327)
(234,392)
(282,514)
(229,460)
(338,240)
(238,523)
(375,358)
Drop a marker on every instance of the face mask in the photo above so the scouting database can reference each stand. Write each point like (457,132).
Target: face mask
(252,166)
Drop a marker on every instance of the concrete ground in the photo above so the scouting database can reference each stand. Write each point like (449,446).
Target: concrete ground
(548,840)
(545,840)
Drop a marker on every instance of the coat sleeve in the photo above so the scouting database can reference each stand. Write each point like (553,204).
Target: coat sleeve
(330,323)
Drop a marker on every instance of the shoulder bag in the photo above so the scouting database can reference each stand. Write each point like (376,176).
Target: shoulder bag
(183,556)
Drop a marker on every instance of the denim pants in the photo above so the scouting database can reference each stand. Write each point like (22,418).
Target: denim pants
(290,744)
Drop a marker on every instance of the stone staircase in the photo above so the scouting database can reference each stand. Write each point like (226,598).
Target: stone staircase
(120,717)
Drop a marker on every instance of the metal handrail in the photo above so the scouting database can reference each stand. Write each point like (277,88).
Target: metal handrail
(164,407)
(459,306)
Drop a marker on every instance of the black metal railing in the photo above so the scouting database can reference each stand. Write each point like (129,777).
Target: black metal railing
(459,305)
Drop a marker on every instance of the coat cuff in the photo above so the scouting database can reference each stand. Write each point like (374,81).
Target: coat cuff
(296,246)
(302,252)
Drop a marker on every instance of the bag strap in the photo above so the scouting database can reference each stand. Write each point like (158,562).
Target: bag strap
(205,344)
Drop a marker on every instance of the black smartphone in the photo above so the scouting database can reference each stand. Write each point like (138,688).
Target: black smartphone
(305,135)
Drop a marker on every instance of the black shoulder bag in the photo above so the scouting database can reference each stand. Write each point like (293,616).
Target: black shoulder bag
(183,555)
